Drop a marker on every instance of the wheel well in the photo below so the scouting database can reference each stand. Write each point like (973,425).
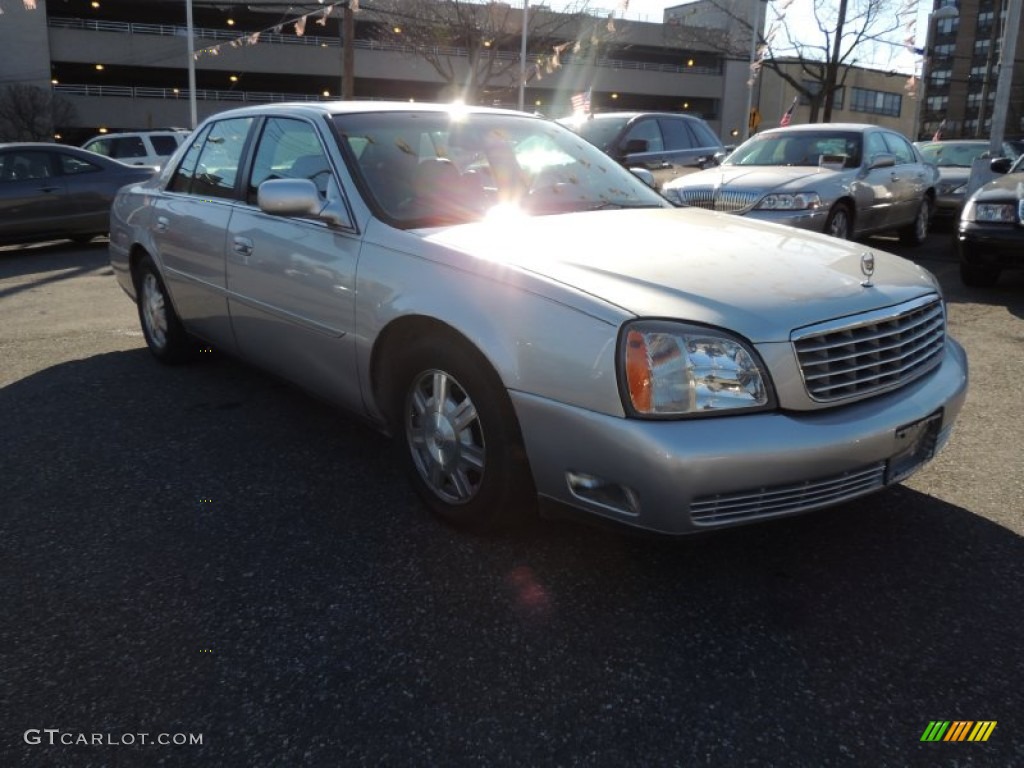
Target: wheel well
(401,331)
(136,255)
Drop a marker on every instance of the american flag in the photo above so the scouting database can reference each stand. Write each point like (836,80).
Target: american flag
(938,131)
(581,102)
(787,116)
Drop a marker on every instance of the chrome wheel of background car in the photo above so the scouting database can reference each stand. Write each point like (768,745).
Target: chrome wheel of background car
(917,232)
(164,333)
(458,433)
(838,223)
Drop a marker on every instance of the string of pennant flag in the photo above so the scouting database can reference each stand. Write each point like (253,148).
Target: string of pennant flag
(299,24)
(30,5)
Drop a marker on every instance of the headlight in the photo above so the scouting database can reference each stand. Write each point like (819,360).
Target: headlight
(1002,213)
(783,201)
(672,369)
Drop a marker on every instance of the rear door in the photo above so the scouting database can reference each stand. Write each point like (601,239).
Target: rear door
(686,149)
(190,222)
(909,179)
(643,146)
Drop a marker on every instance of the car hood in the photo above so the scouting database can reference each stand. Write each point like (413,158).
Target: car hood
(1008,187)
(753,178)
(761,280)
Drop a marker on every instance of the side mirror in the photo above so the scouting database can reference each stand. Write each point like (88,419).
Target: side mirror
(644,175)
(721,155)
(298,197)
(882,161)
(634,146)
(1000,164)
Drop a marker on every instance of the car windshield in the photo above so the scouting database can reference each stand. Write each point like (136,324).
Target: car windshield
(953,154)
(835,148)
(432,168)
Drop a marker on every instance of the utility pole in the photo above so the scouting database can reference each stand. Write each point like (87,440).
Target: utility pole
(348,53)
(193,113)
(832,67)
(1007,54)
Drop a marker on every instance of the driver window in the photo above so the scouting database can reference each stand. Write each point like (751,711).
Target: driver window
(648,131)
(289,149)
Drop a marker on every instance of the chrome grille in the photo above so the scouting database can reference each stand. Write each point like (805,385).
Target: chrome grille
(717,199)
(786,499)
(871,353)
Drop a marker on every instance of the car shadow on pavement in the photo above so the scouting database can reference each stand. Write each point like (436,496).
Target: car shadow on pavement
(204,549)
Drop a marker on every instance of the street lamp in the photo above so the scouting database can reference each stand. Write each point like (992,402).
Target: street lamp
(945,12)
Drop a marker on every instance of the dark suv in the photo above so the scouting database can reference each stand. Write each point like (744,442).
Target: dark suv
(666,144)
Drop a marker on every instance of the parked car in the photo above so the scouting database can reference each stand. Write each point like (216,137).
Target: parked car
(151,148)
(666,144)
(471,281)
(990,233)
(954,159)
(848,180)
(51,191)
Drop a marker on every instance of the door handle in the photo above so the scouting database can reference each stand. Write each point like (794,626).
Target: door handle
(48,190)
(665,164)
(162,224)
(242,246)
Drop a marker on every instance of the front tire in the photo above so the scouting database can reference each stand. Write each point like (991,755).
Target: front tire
(458,436)
(164,333)
(839,222)
(916,232)
(975,276)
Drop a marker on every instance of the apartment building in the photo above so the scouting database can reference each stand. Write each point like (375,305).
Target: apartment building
(964,59)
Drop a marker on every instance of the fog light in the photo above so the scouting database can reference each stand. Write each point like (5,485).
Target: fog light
(605,493)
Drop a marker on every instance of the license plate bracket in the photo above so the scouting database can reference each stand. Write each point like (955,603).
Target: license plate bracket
(917,443)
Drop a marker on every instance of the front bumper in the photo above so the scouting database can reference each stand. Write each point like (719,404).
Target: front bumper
(690,475)
(990,245)
(811,220)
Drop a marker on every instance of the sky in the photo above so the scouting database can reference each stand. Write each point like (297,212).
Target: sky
(895,57)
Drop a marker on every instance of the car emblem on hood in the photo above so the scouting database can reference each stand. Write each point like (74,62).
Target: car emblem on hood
(867,267)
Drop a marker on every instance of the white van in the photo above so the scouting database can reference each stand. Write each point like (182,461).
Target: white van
(140,148)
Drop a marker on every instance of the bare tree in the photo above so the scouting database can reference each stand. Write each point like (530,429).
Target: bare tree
(475,46)
(30,113)
(821,63)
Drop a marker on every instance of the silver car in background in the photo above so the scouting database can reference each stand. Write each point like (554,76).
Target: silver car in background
(954,159)
(532,323)
(848,180)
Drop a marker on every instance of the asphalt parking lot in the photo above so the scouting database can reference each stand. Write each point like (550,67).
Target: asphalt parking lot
(205,551)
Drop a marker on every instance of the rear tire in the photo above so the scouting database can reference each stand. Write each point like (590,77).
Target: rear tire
(916,232)
(164,333)
(458,436)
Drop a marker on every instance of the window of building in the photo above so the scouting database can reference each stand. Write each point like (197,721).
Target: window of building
(875,102)
(940,76)
(948,26)
(937,103)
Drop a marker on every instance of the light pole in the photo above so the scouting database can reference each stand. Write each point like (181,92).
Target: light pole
(522,57)
(945,12)
(191,65)
(1007,54)
(755,32)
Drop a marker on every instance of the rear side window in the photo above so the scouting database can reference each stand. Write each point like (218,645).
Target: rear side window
(72,166)
(210,166)
(99,146)
(705,136)
(900,147)
(164,145)
(676,135)
(128,146)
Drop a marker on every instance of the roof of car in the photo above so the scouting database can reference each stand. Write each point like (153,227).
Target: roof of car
(355,107)
(810,127)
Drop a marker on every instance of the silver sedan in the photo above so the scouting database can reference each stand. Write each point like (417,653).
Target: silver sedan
(533,324)
(847,180)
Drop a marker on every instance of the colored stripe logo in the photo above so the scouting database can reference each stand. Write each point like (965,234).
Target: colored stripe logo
(958,730)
